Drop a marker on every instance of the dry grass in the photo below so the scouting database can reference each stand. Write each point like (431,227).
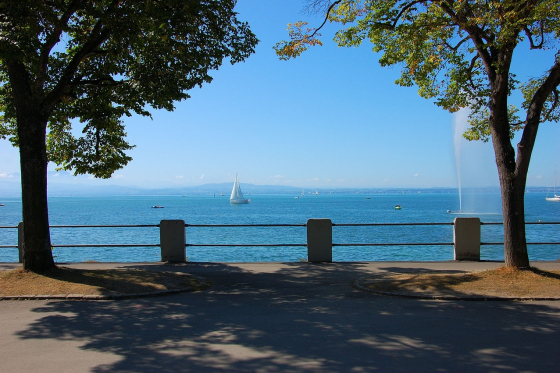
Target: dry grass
(66,281)
(502,282)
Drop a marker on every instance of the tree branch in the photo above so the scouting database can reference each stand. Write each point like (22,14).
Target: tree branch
(533,118)
(99,34)
(404,9)
(455,48)
(530,36)
(103,82)
(326,17)
(51,40)
(469,71)
(554,105)
(477,35)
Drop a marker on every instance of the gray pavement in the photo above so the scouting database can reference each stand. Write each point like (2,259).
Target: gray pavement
(281,317)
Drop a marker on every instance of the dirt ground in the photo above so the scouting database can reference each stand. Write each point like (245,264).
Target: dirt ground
(502,282)
(66,281)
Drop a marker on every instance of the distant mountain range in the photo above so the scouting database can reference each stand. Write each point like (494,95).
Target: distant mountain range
(69,190)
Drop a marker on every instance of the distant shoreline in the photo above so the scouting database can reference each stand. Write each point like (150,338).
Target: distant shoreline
(56,190)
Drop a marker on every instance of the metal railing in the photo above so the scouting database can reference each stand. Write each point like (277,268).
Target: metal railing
(245,226)
(285,244)
(482,243)
(393,243)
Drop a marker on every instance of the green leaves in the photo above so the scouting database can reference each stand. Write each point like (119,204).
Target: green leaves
(457,53)
(301,39)
(93,62)
(100,152)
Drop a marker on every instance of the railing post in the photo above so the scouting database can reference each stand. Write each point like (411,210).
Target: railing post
(172,240)
(319,240)
(466,238)
(20,241)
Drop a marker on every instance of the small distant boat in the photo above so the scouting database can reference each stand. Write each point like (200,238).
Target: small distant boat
(157,207)
(236,197)
(1,204)
(368,197)
(555,197)
(397,207)
(470,212)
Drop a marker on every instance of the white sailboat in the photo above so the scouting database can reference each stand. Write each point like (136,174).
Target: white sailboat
(555,197)
(236,197)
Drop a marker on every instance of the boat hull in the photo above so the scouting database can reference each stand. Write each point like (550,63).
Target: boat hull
(553,199)
(239,201)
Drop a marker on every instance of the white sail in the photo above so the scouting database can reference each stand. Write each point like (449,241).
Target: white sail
(236,194)
(555,197)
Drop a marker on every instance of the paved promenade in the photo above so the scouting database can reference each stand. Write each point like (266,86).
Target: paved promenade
(281,317)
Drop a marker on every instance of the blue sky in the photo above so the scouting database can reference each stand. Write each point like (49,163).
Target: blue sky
(332,118)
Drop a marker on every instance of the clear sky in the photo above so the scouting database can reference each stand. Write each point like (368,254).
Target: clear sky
(332,118)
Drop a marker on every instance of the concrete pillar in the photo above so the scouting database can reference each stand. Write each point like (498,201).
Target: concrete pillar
(466,238)
(172,240)
(319,240)
(20,241)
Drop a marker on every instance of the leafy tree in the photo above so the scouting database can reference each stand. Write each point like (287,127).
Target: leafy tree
(459,53)
(64,62)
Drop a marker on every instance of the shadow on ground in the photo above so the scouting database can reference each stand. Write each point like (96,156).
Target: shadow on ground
(302,317)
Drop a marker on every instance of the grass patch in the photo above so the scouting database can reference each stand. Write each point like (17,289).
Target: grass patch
(501,282)
(65,281)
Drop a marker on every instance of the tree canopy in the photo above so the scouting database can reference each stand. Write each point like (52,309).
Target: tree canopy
(459,54)
(70,62)
(97,61)
(449,49)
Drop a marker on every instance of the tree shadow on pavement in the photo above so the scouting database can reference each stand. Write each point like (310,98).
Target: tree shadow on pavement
(301,317)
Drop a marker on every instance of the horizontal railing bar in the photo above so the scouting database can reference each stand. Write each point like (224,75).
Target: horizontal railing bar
(271,225)
(526,223)
(396,244)
(542,222)
(385,224)
(108,245)
(243,225)
(528,243)
(277,225)
(108,226)
(245,245)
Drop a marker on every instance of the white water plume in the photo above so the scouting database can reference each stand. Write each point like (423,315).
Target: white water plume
(460,124)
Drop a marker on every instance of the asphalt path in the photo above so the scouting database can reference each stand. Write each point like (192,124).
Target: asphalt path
(281,317)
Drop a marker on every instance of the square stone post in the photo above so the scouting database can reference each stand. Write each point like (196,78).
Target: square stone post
(172,241)
(466,238)
(319,240)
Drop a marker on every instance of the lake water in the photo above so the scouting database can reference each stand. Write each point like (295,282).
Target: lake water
(279,209)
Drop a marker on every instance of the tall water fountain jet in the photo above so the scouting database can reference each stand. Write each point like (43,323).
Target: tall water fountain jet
(460,124)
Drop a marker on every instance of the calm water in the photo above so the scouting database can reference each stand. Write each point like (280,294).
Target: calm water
(279,209)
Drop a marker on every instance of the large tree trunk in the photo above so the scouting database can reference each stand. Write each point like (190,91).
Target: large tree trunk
(512,184)
(513,206)
(37,251)
(31,129)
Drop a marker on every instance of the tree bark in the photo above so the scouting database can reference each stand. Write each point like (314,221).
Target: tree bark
(31,129)
(512,179)
(513,206)
(37,250)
